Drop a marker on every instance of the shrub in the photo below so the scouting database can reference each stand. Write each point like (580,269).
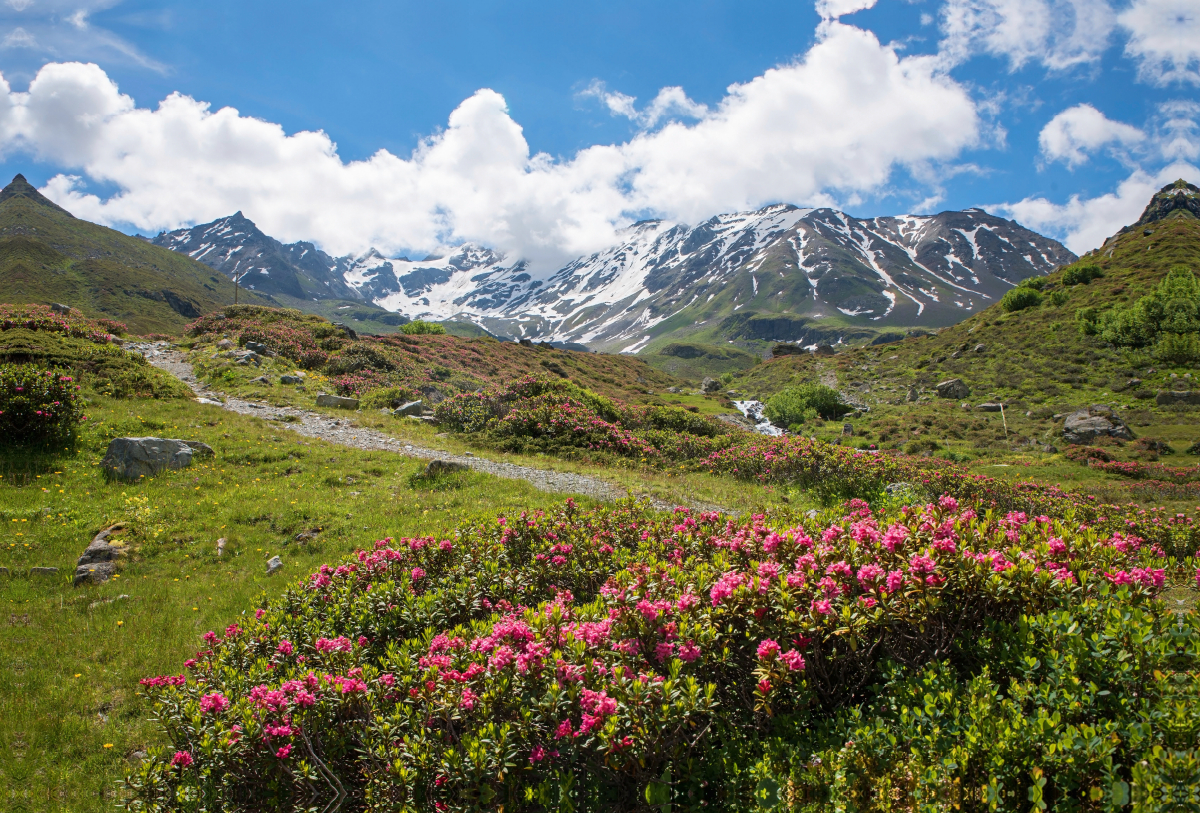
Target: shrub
(42,318)
(1081,274)
(112,326)
(1178,348)
(1020,298)
(38,408)
(419,327)
(387,397)
(795,405)
(1036,283)
(595,660)
(1172,308)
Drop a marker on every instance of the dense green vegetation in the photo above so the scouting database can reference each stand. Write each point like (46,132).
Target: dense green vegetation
(795,405)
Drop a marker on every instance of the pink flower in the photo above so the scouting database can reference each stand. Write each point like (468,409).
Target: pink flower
(468,699)
(417,574)
(869,574)
(793,660)
(563,730)
(598,703)
(764,686)
(214,703)
(283,752)
(922,564)
(689,652)
(725,586)
(867,601)
(948,503)
(686,602)
(182,759)
(767,571)
(823,607)
(537,754)
(664,650)
(895,537)
(768,649)
(285,647)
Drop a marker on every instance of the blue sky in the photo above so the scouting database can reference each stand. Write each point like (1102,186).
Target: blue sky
(536,124)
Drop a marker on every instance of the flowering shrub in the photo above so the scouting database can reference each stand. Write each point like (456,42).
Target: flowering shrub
(42,318)
(1147,471)
(38,407)
(602,659)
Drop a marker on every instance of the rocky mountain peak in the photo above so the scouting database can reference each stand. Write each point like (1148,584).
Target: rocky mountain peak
(21,188)
(1180,196)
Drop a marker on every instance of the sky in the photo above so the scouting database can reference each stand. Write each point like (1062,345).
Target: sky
(543,128)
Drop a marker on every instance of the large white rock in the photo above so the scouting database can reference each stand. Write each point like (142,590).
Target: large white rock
(133,458)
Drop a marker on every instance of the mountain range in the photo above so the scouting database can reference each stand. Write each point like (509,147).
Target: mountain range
(780,273)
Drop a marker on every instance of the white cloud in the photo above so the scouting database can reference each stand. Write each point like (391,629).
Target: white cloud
(832,126)
(1083,224)
(1080,130)
(1164,38)
(832,9)
(670,103)
(59,29)
(1059,34)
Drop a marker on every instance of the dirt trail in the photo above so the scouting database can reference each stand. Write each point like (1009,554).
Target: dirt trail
(342,431)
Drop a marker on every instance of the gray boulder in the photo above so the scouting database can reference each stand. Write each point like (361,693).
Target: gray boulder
(262,379)
(290,379)
(410,408)
(990,407)
(95,573)
(980,348)
(261,349)
(274,565)
(953,388)
(337,401)
(103,548)
(1168,398)
(43,571)
(710,385)
(132,458)
(224,344)
(824,350)
(1085,425)
(58,307)
(435,467)
(913,395)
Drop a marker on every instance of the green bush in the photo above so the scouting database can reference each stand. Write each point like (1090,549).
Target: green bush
(419,327)
(38,408)
(1081,274)
(1059,298)
(796,405)
(1173,307)
(1178,348)
(1036,283)
(1020,298)
(387,397)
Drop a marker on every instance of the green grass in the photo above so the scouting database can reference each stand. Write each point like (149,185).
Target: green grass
(64,740)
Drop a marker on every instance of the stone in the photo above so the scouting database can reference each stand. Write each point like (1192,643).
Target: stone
(224,344)
(848,429)
(823,350)
(953,388)
(410,408)
(274,565)
(349,331)
(58,307)
(103,548)
(4,571)
(43,571)
(221,546)
(956,354)
(913,395)
(290,379)
(307,536)
(710,385)
(980,348)
(526,342)
(133,458)
(1085,425)
(1168,398)
(433,395)
(895,489)
(436,467)
(261,349)
(262,379)
(785,349)
(337,401)
(96,573)
(673,390)
(991,406)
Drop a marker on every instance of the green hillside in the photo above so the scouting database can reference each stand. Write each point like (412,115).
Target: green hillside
(48,255)
(1040,360)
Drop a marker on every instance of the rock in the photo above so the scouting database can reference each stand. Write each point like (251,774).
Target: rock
(991,406)
(435,467)
(785,349)
(224,344)
(261,349)
(410,408)
(97,573)
(262,379)
(1167,398)
(221,546)
(673,390)
(894,489)
(43,571)
(349,331)
(980,348)
(525,342)
(326,400)
(953,388)
(710,385)
(132,458)
(1085,425)
(955,354)
(823,350)
(913,395)
(104,601)
(848,429)
(103,548)
(274,565)
(290,379)
(307,536)
(58,307)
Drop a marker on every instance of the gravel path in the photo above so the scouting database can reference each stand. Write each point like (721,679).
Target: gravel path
(344,433)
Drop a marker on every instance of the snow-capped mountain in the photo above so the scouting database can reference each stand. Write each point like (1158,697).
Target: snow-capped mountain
(781,273)
(235,246)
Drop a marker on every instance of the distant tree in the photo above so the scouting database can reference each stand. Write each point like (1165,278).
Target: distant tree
(1020,298)
(419,327)
(796,405)
(1081,274)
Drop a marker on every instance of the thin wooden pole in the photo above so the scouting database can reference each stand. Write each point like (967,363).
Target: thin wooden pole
(1005,420)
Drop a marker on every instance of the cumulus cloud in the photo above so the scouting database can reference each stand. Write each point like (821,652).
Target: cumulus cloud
(1076,132)
(1083,223)
(832,9)
(835,124)
(1164,38)
(1059,34)
(669,103)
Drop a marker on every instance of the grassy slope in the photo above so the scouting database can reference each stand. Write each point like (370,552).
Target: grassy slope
(1035,360)
(46,255)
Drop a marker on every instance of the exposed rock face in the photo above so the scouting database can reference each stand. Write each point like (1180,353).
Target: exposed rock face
(954,388)
(411,408)
(1169,398)
(710,385)
(290,379)
(336,401)
(132,458)
(1085,425)
(103,547)
(989,407)
(97,573)
(785,349)
(1178,196)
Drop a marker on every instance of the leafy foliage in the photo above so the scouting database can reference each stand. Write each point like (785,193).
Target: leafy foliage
(1171,313)
(419,327)
(1081,274)
(38,408)
(795,405)
(1020,298)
